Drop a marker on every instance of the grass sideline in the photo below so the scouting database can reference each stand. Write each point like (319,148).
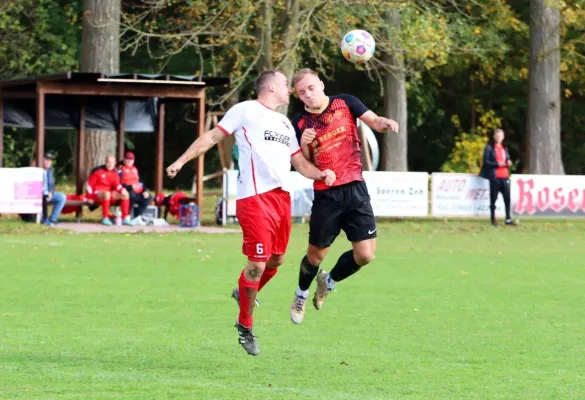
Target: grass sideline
(447,310)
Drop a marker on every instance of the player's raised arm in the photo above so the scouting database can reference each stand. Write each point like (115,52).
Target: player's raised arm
(308,169)
(197,148)
(379,124)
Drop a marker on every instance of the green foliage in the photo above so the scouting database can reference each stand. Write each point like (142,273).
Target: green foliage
(37,37)
(18,149)
(467,154)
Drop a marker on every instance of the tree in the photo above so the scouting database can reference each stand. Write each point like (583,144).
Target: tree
(394,147)
(544,96)
(100,52)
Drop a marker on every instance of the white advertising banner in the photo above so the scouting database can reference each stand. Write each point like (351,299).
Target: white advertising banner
(21,190)
(462,195)
(548,195)
(393,194)
(398,194)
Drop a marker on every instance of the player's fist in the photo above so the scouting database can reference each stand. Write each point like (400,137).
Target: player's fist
(328,176)
(389,124)
(174,168)
(308,136)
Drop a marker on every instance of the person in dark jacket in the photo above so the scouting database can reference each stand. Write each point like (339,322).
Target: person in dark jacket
(496,161)
(50,197)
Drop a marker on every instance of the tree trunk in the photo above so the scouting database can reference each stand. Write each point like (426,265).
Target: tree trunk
(544,98)
(100,52)
(263,33)
(291,23)
(394,147)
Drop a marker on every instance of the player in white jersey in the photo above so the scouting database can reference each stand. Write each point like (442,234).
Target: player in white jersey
(267,146)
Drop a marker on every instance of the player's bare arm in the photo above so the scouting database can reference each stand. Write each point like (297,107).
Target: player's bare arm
(307,138)
(197,148)
(308,170)
(379,124)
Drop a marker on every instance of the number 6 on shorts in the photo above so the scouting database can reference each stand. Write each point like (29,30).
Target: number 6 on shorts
(259,248)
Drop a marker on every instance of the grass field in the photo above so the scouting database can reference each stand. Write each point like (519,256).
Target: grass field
(447,310)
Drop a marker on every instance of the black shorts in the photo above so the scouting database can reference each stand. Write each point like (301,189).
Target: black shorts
(344,207)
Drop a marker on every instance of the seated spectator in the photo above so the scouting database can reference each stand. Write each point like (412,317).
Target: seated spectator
(172,203)
(50,197)
(104,187)
(131,181)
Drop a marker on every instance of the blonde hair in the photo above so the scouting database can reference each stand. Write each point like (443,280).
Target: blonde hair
(300,74)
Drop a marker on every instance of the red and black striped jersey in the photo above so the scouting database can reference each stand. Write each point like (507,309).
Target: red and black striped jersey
(337,144)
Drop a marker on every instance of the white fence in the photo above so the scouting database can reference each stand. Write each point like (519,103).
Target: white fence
(407,194)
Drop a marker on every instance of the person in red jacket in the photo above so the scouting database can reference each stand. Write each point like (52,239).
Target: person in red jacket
(131,181)
(104,187)
(172,203)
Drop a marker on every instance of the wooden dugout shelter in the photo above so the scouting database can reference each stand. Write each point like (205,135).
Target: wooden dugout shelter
(77,90)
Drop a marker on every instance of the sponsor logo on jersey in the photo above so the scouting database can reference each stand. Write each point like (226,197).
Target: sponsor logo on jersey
(272,136)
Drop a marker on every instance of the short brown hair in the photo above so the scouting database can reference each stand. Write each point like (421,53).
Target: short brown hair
(300,74)
(264,77)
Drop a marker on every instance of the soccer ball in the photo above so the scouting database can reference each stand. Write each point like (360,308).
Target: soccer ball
(358,46)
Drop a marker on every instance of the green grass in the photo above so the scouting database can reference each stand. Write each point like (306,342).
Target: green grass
(447,310)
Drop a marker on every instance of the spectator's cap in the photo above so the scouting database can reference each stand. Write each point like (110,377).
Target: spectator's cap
(50,155)
(128,155)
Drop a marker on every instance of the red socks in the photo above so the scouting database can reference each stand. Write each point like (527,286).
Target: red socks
(266,276)
(125,206)
(106,208)
(248,291)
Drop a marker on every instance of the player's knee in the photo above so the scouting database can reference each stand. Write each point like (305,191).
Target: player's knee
(255,270)
(316,256)
(105,195)
(363,258)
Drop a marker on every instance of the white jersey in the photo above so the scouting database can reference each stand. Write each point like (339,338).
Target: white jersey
(266,141)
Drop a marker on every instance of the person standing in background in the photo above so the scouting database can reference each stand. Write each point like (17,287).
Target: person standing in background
(496,161)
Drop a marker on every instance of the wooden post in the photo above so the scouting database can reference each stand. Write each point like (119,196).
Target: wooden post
(40,125)
(1,130)
(160,140)
(200,160)
(80,155)
(121,116)
(80,149)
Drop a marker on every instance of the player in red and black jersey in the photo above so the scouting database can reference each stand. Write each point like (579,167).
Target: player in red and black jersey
(328,134)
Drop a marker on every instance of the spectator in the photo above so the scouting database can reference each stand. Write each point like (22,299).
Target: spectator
(496,160)
(50,197)
(104,187)
(131,181)
(172,203)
